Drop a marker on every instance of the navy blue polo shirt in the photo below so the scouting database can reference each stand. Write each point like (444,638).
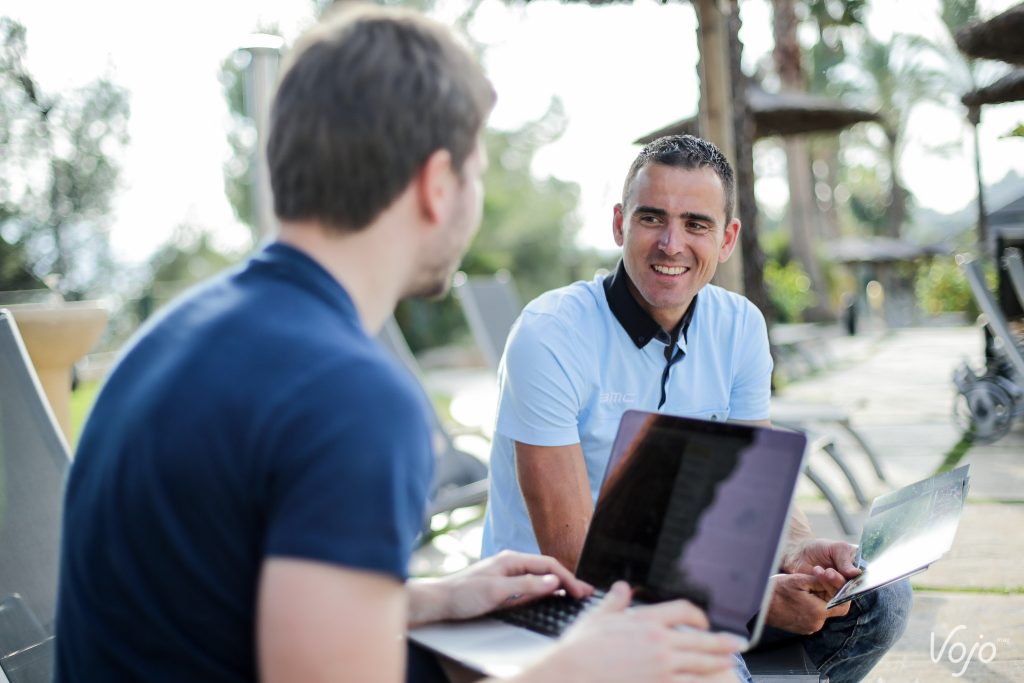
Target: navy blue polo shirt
(255,418)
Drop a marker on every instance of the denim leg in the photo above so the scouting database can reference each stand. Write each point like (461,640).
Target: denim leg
(742,673)
(850,646)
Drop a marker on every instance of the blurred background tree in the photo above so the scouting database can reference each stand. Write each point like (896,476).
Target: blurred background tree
(58,174)
(529,224)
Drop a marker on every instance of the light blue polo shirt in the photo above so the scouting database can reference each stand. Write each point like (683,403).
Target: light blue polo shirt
(571,368)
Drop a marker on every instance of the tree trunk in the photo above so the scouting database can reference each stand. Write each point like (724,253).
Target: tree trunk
(826,150)
(896,212)
(746,205)
(803,214)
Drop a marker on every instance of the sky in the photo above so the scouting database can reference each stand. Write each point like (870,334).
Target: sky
(620,70)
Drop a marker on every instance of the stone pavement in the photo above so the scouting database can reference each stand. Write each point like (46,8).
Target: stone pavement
(968,618)
(897,387)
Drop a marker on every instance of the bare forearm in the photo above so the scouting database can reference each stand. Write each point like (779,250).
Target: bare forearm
(560,534)
(556,491)
(428,601)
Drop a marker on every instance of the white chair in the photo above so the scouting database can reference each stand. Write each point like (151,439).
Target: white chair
(33,462)
(460,479)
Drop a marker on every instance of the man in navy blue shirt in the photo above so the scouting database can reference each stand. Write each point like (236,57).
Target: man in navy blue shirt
(247,491)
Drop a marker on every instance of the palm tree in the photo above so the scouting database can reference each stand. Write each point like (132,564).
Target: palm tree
(890,77)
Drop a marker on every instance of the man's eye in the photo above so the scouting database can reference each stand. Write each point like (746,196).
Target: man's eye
(649,219)
(697,227)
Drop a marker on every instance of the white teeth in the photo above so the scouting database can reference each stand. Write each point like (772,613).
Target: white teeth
(665,270)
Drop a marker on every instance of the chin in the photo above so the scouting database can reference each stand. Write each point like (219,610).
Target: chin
(431,290)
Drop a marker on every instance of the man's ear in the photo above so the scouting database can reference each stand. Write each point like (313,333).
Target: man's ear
(732,235)
(617,220)
(435,184)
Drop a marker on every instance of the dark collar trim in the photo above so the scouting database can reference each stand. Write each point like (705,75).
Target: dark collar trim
(640,326)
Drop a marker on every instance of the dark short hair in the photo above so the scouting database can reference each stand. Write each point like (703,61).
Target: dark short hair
(690,152)
(367,96)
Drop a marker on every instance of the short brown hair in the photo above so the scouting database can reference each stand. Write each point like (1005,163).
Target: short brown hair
(689,152)
(368,95)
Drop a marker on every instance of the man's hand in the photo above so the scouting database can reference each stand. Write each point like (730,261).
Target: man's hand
(503,580)
(837,556)
(798,601)
(663,642)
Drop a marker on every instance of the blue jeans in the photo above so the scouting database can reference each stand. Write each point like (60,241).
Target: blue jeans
(848,647)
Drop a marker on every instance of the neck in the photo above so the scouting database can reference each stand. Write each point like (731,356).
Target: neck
(364,262)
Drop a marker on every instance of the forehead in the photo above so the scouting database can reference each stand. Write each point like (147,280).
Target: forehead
(678,190)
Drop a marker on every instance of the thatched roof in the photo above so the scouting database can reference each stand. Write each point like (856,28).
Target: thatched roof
(1010,214)
(1001,37)
(876,250)
(784,113)
(1009,88)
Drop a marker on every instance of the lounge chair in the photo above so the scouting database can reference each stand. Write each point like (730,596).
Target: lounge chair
(33,462)
(460,479)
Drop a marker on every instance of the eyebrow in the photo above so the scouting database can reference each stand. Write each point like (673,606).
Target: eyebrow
(686,214)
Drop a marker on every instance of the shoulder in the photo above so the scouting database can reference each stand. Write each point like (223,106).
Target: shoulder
(726,307)
(568,308)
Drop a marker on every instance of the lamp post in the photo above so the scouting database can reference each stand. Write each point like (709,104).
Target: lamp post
(264,52)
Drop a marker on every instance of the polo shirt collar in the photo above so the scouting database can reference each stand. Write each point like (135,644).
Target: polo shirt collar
(299,267)
(637,323)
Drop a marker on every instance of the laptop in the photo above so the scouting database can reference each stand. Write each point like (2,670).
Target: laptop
(687,509)
(906,531)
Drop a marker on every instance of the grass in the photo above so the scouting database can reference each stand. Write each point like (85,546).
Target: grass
(82,399)
(957,452)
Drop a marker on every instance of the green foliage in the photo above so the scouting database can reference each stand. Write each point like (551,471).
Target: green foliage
(82,399)
(186,259)
(1018,132)
(528,228)
(940,287)
(57,171)
(241,140)
(788,290)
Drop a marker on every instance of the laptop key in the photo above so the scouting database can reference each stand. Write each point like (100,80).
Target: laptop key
(549,616)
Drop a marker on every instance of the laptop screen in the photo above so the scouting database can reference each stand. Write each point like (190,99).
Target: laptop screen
(693,509)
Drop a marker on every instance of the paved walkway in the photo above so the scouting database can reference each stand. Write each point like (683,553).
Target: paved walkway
(897,388)
(969,608)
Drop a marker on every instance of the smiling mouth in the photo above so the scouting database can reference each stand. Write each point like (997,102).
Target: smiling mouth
(670,270)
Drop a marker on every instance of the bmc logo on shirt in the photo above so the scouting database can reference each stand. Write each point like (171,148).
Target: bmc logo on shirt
(616,397)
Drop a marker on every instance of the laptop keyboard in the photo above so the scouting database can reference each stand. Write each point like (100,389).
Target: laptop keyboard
(549,616)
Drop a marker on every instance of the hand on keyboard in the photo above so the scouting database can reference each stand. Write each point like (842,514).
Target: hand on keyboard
(504,580)
(612,642)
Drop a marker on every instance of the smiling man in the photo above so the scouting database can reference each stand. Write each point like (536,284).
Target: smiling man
(656,335)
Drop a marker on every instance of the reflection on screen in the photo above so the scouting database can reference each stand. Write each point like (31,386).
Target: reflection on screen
(909,529)
(693,509)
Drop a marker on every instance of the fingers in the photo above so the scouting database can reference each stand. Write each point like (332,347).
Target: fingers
(839,610)
(830,577)
(515,590)
(699,663)
(691,640)
(674,613)
(845,556)
(617,599)
(513,563)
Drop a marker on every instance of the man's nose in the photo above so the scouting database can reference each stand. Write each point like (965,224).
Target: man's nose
(672,239)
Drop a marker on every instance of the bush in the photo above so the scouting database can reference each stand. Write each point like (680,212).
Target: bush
(941,287)
(789,290)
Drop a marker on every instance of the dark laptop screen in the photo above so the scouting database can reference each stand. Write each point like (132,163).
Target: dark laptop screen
(693,509)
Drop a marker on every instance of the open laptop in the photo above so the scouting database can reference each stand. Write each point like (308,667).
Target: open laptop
(688,509)
(906,531)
